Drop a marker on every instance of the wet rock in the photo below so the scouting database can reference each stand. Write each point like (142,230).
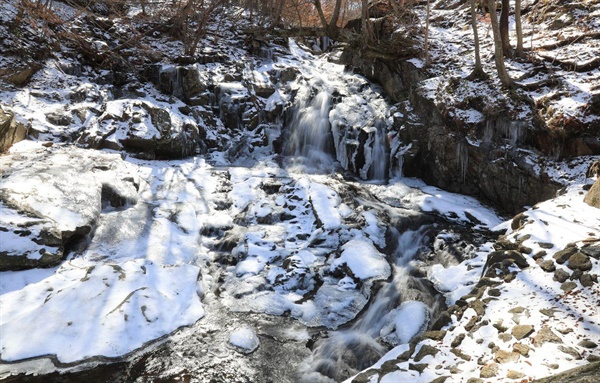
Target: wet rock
(586,343)
(561,275)
(568,286)
(579,261)
(490,370)
(425,351)
(512,374)
(503,356)
(522,331)
(547,265)
(521,348)
(11,131)
(545,335)
(563,256)
(592,197)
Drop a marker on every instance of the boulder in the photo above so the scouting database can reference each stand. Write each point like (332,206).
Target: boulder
(579,261)
(51,200)
(592,197)
(589,373)
(19,75)
(11,131)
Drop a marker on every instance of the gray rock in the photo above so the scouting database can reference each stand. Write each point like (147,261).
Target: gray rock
(568,286)
(591,250)
(562,256)
(589,373)
(60,118)
(434,335)
(588,280)
(419,367)
(586,343)
(545,335)
(458,340)
(547,265)
(561,275)
(579,261)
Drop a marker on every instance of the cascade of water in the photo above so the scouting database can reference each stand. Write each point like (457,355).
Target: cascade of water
(311,141)
(346,352)
(379,153)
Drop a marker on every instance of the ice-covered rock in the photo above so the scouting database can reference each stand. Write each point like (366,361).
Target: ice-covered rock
(245,339)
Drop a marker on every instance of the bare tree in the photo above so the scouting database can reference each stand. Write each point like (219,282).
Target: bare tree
(498,56)
(519,29)
(330,26)
(478,72)
(504,13)
(427,57)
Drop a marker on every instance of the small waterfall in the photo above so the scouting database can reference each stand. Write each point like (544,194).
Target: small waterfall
(379,154)
(310,144)
(348,351)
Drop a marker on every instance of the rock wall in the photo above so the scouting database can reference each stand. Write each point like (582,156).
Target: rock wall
(483,158)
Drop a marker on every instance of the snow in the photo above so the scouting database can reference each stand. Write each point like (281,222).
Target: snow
(244,338)
(363,260)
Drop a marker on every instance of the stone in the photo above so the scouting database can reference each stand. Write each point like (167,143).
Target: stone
(458,340)
(474,380)
(593,358)
(587,373)
(521,348)
(547,265)
(546,245)
(519,221)
(522,331)
(588,280)
(419,367)
(586,343)
(505,337)
(503,356)
(20,75)
(512,374)
(560,275)
(478,306)
(570,351)
(494,292)
(11,131)
(545,335)
(425,350)
(460,354)
(60,118)
(435,335)
(592,197)
(441,379)
(568,286)
(579,261)
(540,254)
(490,370)
(563,256)
(591,250)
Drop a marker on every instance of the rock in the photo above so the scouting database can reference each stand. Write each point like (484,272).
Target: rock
(588,280)
(460,354)
(593,358)
(513,256)
(547,265)
(570,351)
(589,373)
(19,76)
(521,331)
(592,197)
(560,275)
(540,254)
(568,286)
(505,337)
(503,356)
(512,374)
(59,117)
(579,261)
(425,351)
(494,292)
(458,340)
(592,250)
(545,335)
(475,380)
(519,221)
(51,202)
(586,343)
(521,348)
(478,306)
(419,367)
(11,131)
(443,319)
(441,379)
(563,256)
(490,370)
(434,335)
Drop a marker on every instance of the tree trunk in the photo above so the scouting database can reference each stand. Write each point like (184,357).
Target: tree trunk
(519,29)
(499,58)
(365,21)
(478,72)
(427,58)
(504,28)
